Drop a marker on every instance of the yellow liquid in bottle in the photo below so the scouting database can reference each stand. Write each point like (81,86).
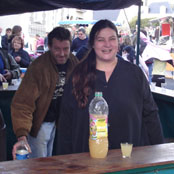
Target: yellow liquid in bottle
(99,147)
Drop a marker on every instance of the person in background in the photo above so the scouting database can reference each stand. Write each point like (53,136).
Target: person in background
(158,56)
(133,114)
(16,31)
(74,32)
(39,47)
(130,56)
(157,34)
(20,55)
(46,42)
(0,37)
(81,40)
(143,43)
(9,69)
(6,39)
(126,42)
(35,106)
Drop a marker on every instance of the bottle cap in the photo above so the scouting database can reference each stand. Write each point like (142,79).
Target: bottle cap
(98,94)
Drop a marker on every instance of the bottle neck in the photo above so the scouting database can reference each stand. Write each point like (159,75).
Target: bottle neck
(98,94)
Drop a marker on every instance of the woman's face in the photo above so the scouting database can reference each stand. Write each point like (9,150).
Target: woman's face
(17,44)
(106,44)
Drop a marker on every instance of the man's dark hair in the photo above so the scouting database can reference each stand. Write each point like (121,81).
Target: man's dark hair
(8,29)
(16,29)
(59,33)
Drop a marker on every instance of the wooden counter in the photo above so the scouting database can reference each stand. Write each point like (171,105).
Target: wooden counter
(144,159)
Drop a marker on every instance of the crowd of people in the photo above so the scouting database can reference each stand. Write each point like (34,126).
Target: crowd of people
(14,55)
(50,108)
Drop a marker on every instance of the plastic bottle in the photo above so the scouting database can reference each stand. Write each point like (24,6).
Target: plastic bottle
(22,151)
(98,124)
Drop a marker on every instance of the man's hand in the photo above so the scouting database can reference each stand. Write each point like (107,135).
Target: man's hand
(2,78)
(17,144)
(7,74)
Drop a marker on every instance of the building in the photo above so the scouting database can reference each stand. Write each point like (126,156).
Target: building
(119,17)
(44,21)
(157,8)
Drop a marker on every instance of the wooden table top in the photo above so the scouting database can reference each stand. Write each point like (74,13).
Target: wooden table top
(82,163)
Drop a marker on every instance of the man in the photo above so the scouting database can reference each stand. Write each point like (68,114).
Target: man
(6,39)
(35,105)
(81,40)
(9,69)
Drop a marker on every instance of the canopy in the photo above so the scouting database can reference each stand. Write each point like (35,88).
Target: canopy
(20,6)
(82,22)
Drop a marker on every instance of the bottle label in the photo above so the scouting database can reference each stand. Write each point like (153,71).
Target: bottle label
(22,154)
(98,127)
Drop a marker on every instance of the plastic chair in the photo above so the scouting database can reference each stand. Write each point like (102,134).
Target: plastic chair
(3,153)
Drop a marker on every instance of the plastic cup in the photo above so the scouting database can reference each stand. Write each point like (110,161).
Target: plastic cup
(126,149)
(5,85)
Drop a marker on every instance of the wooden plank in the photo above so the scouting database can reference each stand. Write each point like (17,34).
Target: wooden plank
(142,157)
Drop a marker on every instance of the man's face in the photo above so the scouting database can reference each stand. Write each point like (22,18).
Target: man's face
(8,33)
(81,35)
(60,50)
(0,30)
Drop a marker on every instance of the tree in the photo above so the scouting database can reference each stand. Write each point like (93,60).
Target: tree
(144,23)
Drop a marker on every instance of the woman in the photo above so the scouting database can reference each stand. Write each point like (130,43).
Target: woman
(20,55)
(133,114)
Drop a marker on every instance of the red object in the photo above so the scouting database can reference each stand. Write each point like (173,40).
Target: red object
(165,29)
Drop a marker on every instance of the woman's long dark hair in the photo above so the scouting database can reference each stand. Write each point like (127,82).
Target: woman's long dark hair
(84,75)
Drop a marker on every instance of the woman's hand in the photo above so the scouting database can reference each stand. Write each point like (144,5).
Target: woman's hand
(17,144)
(18,58)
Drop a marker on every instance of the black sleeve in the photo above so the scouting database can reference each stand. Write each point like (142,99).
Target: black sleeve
(64,142)
(4,42)
(151,118)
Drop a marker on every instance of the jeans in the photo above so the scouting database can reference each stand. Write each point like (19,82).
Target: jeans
(150,68)
(42,145)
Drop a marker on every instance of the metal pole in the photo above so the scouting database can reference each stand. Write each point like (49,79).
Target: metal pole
(138,34)
(127,20)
